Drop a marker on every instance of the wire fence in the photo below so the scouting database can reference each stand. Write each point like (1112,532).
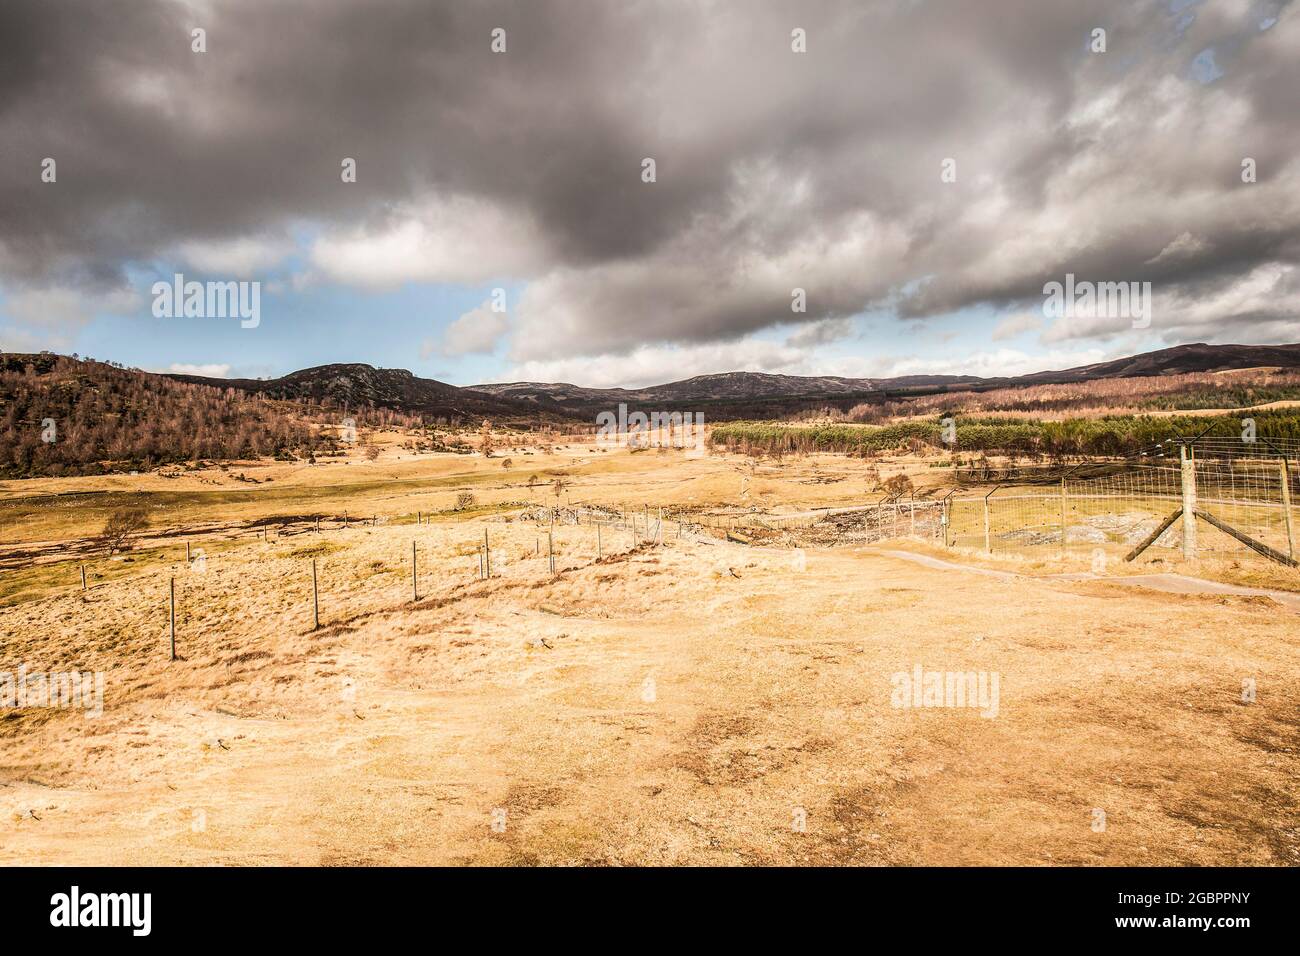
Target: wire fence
(1191,496)
(339,573)
(1234,504)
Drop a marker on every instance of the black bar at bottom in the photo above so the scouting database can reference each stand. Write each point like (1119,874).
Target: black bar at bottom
(215,906)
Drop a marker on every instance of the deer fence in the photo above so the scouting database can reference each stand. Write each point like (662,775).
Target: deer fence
(1212,498)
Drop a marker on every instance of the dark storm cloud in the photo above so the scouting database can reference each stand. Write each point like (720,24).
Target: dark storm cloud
(775,170)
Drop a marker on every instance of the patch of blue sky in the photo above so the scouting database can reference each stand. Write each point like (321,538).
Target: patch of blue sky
(318,324)
(1204,68)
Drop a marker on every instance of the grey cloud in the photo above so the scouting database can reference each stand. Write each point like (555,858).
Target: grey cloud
(775,170)
(820,333)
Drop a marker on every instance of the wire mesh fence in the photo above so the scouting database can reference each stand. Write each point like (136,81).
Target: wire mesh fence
(1240,504)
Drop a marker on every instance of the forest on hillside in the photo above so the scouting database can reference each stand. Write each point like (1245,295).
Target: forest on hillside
(64,416)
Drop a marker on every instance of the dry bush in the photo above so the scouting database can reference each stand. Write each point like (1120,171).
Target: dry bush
(897,485)
(119,527)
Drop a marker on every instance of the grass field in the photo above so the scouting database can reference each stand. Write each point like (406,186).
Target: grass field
(696,702)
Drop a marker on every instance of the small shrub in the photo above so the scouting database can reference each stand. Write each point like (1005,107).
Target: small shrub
(120,526)
(897,485)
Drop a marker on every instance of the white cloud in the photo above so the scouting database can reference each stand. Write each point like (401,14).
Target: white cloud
(1185,246)
(474,333)
(21,340)
(820,333)
(49,318)
(242,258)
(1013,325)
(1268,295)
(456,239)
(993,364)
(64,308)
(655,365)
(211,370)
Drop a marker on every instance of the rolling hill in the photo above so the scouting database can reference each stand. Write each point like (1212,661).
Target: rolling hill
(355,385)
(111,417)
(760,394)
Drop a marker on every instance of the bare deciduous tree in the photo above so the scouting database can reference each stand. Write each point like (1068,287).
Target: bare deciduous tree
(119,527)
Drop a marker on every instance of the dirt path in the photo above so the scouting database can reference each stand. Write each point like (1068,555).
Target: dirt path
(1169,583)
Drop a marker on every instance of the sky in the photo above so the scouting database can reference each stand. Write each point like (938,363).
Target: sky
(919,169)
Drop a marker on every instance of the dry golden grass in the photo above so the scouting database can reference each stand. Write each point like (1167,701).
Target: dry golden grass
(665,705)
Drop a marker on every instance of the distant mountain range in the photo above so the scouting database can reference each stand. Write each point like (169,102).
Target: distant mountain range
(111,418)
(759,394)
(728,395)
(354,385)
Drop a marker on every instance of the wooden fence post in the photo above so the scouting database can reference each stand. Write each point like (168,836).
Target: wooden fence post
(1259,547)
(315,599)
(1189,503)
(487,554)
(1286,509)
(599,555)
(550,549)
(415,588)
(173,617)
(187,552)
(988,531)
(1154,536)
(83,577)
